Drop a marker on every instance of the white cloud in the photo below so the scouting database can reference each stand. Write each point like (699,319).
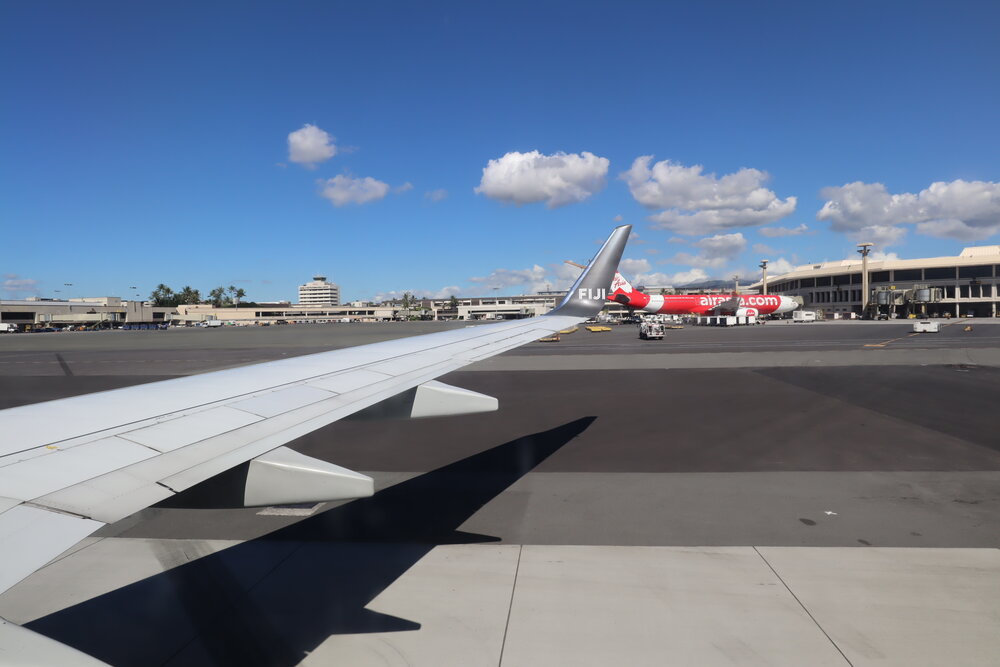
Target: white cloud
(634,266)
(686,277)
(713,251)
(697,203)
(436,195)
(557,180)
(618,218)
(779,267)
(561,276)
(774,232)
(958,229)
(674,279)
(677,239)
(400,189)
(881,235)
(502,278)
(528,281)
(342,190)
(964,210)
(310,146)
(16,287)
(638,270)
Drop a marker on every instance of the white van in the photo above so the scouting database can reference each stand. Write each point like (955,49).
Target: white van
(804,316)
(7,327)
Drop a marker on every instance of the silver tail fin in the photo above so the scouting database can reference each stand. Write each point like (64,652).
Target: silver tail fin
(589,293)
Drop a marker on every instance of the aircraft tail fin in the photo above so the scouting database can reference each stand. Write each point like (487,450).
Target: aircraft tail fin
(621,285)
(623,292)
(587,296)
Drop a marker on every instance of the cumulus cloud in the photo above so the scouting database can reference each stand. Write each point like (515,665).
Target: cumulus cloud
(779,267)
(964,210)
(713,251)
(634,266)
(775,232)
(698,203)
(557,180)
(881,235)
(673,279)
(501,278)
(436,195)
(16,287)
(310,146)
(618,218)
(400,189)
(535,279)
(562,276)
(342,190)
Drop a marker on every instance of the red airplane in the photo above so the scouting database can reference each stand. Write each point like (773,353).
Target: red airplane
(699,304)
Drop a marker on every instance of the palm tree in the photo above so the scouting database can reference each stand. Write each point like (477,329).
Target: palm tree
(218,297)
(236,293)
(163,296)
(188,296)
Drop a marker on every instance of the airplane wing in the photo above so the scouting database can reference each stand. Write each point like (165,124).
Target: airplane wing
(71,466)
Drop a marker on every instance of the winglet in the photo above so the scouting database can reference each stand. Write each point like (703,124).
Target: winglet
(588,294)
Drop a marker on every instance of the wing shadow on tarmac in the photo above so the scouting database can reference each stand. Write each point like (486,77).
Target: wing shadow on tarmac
(272,600)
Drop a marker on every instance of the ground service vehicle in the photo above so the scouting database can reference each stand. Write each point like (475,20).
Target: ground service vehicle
(651,331)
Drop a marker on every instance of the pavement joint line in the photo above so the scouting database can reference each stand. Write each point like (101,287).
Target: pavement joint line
(510,607)
(804,608)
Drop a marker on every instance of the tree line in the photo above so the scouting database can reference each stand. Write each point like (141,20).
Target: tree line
(220,297)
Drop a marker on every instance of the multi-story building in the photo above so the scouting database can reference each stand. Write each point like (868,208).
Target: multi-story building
(964,286)
(319,293)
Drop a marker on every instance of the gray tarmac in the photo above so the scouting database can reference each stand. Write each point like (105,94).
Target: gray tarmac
(762,495)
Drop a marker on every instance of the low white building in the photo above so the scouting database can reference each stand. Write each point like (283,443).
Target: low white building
(97,312)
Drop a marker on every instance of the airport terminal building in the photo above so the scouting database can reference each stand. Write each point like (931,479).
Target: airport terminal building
(967,285)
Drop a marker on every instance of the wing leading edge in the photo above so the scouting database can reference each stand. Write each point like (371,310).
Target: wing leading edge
(70,466)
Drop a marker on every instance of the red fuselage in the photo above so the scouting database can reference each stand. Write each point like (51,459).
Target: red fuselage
(705,304)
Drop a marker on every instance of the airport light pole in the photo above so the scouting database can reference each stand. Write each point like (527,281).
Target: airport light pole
(763,268)
(864,249)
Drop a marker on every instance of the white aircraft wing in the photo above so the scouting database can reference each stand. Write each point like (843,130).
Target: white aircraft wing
(70,466)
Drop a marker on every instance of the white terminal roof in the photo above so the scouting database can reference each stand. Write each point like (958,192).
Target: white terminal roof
(985,254)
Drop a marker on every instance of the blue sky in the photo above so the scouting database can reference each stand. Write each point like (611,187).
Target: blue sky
(143,143)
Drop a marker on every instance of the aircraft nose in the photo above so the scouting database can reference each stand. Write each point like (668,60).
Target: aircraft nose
(788,304)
